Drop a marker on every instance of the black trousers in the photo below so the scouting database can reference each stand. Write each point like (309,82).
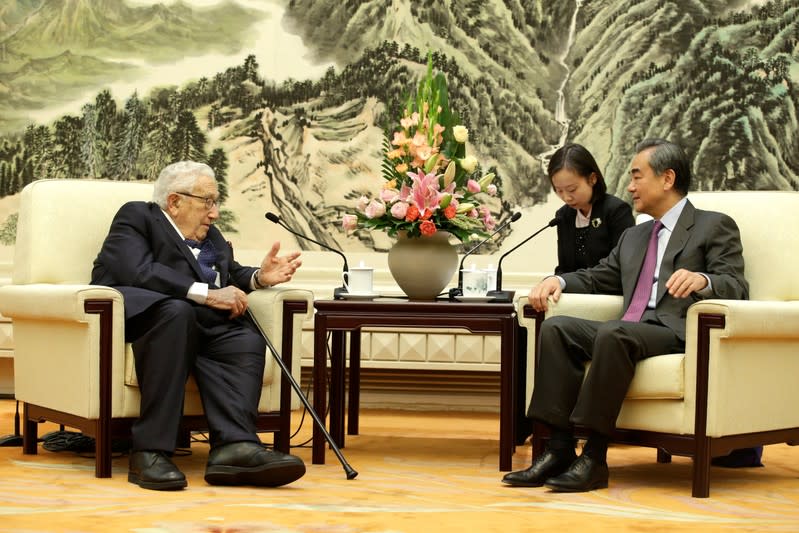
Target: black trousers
(175,338)
(564,394)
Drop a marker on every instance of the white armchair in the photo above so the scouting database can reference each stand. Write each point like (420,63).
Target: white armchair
(71,363)
(735,385)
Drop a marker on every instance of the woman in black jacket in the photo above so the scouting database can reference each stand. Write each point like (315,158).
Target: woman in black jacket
(591,222)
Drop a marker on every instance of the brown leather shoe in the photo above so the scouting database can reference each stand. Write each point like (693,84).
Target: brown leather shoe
(249,463)
(154,470)
(544,466)
(583,475)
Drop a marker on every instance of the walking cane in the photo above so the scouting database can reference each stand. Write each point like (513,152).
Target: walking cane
(351,473)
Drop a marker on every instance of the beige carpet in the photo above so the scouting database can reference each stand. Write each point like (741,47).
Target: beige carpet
(418,472)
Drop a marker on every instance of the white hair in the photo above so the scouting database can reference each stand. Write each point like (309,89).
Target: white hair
(178,177)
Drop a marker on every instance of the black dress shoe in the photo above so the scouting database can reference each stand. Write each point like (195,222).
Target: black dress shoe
(155,470)
(545,466)
(583,475)
(249,463)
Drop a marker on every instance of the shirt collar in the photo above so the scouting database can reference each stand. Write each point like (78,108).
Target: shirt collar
(582,221)
(669,220)
(169,218)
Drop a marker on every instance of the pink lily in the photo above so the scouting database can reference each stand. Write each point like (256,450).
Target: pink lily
(424,191)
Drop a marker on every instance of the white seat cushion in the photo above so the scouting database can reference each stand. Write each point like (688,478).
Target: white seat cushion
(658,378)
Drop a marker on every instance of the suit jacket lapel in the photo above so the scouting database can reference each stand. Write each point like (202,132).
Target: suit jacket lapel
(181,246)
(679,237)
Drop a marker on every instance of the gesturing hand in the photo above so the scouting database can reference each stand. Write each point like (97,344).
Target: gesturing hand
(229,297)
(276,269)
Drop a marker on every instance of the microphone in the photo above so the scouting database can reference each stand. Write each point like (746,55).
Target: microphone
(507,296)
(338,291)
(458,291)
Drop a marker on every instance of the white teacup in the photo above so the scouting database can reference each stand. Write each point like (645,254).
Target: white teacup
(358,280)
(475,283)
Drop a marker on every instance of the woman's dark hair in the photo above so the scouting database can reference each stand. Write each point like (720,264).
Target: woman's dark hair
(577,158)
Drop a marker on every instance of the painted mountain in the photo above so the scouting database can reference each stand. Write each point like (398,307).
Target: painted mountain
(721,82)
(51,50)
(717,76)
(525,76)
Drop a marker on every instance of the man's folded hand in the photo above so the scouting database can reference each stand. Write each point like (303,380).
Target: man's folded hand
(228,298)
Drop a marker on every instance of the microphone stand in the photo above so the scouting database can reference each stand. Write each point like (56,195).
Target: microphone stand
(458,291)
(351,473)
(338,292)
(499,295)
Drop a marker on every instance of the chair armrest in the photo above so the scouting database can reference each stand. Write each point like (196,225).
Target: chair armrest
(524,321)
(751,318)
(588,306)
(58,351)
(266,306)
(53,302)
(746,361)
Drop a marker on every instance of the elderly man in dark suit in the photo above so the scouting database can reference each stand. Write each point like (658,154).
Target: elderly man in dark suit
(185,299)
(660,267)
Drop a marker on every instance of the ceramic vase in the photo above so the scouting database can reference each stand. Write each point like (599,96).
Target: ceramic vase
(423,266)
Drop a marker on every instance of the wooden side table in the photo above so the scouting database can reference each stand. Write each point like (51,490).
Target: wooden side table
(339,317)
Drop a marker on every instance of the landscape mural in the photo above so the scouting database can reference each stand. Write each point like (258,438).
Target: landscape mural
(290,101)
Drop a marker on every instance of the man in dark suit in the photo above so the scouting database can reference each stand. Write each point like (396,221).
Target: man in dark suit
(185,299)
(660,267)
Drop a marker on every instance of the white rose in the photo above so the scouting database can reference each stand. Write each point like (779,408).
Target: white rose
(460,133)
(469,163)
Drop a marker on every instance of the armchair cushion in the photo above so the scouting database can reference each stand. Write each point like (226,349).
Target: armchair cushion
(659,378)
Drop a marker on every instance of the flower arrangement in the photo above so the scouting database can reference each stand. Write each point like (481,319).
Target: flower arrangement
(430,183)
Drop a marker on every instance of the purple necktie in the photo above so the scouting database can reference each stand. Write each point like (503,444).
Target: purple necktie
(643,288)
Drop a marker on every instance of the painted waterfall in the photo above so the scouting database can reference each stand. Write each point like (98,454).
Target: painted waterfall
(289,100)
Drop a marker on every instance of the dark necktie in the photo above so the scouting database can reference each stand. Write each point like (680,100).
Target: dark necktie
(207,258)
(643,288)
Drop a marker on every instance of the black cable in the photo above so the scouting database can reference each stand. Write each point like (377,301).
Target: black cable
(83,445)
(67,441)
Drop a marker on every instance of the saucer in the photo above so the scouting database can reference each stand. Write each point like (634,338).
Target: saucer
(359,295)
(463,298)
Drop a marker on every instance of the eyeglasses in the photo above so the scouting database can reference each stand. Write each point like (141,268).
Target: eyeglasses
(210,203)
